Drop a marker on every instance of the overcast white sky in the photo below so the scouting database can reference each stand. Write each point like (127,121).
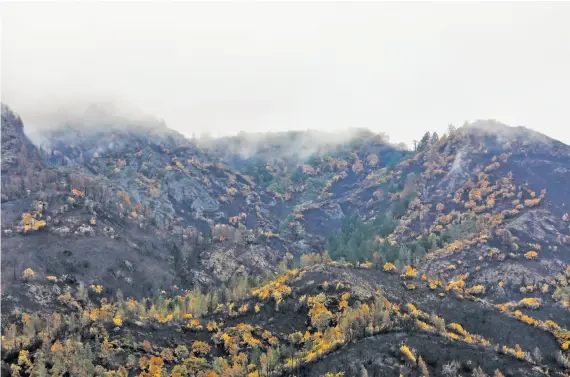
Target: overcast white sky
(401,68)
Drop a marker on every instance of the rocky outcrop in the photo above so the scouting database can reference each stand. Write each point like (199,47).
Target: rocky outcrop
(223,262)
(17,149)
(333,211)
(537,224)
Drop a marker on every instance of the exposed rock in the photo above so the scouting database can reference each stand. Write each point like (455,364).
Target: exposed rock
(334,211)
(222,264)
(62,231)
(128,265)
(219,216)
(16,147)
(510,274)
(538,224)
(41,294)
(85,230)
(109,232)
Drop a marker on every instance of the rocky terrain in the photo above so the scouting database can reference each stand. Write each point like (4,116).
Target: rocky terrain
(128,249)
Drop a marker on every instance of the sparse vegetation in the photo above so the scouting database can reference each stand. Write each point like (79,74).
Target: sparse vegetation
(195,262)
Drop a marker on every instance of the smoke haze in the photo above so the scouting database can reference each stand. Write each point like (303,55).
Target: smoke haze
(221,68)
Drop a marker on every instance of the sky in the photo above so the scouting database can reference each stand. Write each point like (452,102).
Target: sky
(400,68)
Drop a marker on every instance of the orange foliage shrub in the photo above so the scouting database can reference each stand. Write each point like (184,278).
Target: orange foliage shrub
(530,302)
(491,167)
(532,202)
(389,267)
(531,255)
(409,272)
(76,192)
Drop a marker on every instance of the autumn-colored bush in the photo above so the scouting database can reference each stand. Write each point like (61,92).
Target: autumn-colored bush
(476,289)
(276,289)
(320,315)
(97,288)
(77,192)
(516,352)
(31,223)
(194,324)
(455,285)
(117,320)
(199,347)
(29,273)
(457,328)
(409,272)
(531,255)
(470,204)
(495,165)
(531,302)
(434,283)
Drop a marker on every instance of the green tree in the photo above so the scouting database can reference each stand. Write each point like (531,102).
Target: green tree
(424,142)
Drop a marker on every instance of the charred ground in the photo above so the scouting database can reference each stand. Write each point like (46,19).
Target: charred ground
(457,252)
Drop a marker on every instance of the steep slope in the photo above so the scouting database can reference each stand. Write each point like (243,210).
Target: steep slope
(485,205)
(20,158)
(130,205)
(304,170)
(122,199)
(459,252)
(478,213)
(487,171)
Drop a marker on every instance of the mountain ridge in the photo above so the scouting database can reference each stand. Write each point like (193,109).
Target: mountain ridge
(474,219)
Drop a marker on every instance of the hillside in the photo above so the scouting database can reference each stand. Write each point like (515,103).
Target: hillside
(128,249)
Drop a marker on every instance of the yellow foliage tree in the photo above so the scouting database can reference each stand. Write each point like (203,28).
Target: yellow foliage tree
(29,273)
(408,355)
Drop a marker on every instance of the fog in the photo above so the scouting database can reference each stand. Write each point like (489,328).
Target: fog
(221,68)
(292,145)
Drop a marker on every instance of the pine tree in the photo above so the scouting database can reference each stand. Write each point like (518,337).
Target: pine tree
(424,142)
(434,138)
